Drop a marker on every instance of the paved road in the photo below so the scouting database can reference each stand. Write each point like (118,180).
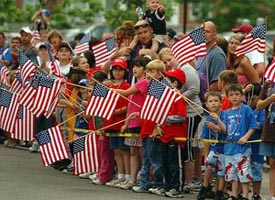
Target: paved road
(22,177)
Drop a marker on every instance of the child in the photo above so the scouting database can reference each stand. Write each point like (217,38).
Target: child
(121,151)
(175,126)
(151,148)
(240,124)
(137,94)
(155,15)
(215,159)
(226,77)
(257,160)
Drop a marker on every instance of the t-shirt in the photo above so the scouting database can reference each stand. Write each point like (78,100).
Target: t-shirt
(238,121)
(255,57)
(208,133)
(157,21)
(226,104)
(122,102)
(215,60)
(139,98)
(260,117)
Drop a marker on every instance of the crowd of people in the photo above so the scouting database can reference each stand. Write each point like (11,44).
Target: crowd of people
(237,107)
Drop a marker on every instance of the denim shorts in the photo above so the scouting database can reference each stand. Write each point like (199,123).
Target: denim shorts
(257,170)
(267,149)
(118,142)
(215,162)
(238,167)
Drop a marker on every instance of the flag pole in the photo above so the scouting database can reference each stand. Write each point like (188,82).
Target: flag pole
(70,118)
(92,132)
(180,93)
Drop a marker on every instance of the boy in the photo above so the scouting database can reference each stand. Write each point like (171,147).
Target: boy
(215,159)
(226,77)
(257,160)
(151,148)
(240,124)
(174,126)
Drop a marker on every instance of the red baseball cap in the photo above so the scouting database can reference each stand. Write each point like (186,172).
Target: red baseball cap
(246,28)
(176,73)
(120,62)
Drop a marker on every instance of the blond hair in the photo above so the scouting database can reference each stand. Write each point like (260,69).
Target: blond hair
(156,64)
(165,52)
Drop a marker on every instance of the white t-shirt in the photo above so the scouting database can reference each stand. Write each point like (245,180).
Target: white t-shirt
(255,57)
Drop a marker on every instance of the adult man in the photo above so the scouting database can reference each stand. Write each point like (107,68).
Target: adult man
(26,37)
(214,62)
(256,58)
(10,55)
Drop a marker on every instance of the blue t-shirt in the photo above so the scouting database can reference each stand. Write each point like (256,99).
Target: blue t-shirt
(7,55)
(238,121)
(207,133)
(260,117)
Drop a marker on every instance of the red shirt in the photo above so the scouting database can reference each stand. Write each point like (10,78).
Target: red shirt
(226,104)
(178,129)
(122,102)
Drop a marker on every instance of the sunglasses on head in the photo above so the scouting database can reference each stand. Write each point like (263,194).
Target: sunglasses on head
(141,26)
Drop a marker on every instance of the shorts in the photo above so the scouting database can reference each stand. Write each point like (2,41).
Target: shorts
(118,142)
(192,125)
(215,162)
(134,141)
(257,170)
(238,167)
(267,149)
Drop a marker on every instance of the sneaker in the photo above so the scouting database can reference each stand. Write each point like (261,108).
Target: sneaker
(84,175)
(68,170)
(220,195)
(113,182)
(256,197)
(206,192)
(187,189)
(157,191)
(97,182)
(92,177)
(121,183)
(127,186)
(174,193)
(140,189)
(196,185)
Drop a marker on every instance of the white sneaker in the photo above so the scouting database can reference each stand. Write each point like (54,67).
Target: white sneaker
(113,182)
(92,177)
(84,175)
(128,185)
(97,182)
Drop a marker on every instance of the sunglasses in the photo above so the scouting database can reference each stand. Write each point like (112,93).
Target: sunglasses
(141,26)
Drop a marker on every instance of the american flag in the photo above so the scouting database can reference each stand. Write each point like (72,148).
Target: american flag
(4,73)
(16,85)
(83,45)
(253,41)
(35,38)
(158,101)
(52,145)
(24,125)
(102,102)
(269,72)
(52,107)
(85,154)
(46,92)
(103,50)
(190,47)
(54,63)
(8,108)
(27,68)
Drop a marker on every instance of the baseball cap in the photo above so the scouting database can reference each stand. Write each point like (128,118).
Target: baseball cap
(171,33)
(26,29)
(246,28)
(141,23)
(66,45)
(84,82)
(176,73)
(41,45)
(121,62)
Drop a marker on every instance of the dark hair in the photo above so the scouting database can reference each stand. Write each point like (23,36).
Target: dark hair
(223,43)
(228,77)
(75,75)
(89,55)
(100,76)
(124,77)
(142,61)
(234,87)
(173,79)
(3,34)
(212,93)
(256,90)
(16,38)
(79,36)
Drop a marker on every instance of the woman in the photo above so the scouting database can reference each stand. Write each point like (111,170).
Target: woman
(240,65)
